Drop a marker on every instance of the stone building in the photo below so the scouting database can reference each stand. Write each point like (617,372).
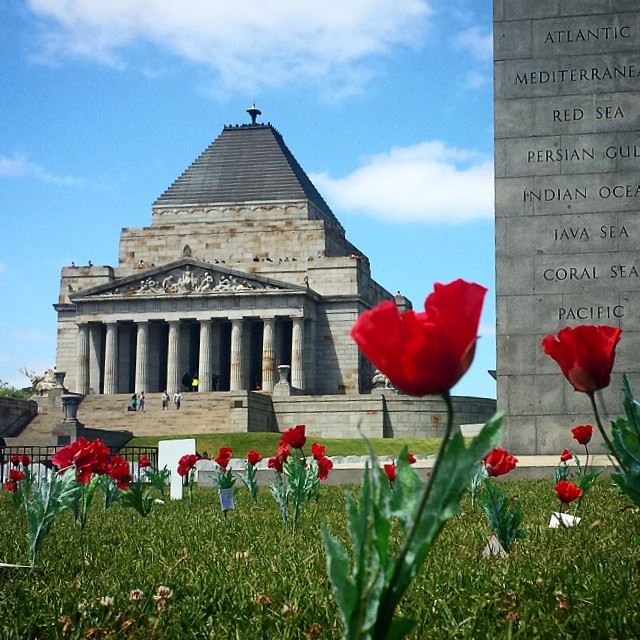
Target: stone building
(244,280)
(243,268)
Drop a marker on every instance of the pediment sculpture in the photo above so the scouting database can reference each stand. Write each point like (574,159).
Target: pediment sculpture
(189,280)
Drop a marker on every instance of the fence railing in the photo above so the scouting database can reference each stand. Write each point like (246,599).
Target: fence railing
(41,465)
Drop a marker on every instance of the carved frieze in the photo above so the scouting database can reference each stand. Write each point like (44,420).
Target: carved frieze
(186,280)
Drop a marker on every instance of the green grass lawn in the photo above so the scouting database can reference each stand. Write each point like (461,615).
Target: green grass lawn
(266,444)
(245,577)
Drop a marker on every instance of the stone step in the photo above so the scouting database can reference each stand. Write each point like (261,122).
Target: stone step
(38,432)
(199,413)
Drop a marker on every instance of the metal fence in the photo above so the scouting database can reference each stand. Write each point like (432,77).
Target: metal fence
(41,465)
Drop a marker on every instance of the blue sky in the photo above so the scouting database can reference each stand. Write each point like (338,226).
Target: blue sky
(387,105)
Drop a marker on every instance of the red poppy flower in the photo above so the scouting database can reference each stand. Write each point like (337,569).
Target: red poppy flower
(424,353)
(284,450)
(63,458)
(15,460)
(390,471)
(87,458)
(411,459)
(324,466)
(582,433)
(222,462)
(585,354)
(25,460)
(118,469)
(275,463)
(318,450)
(565,455)
(253,457)
(294,437)
(498,462)
(11,486)
(16,475)
(568,491)
(224,457)
(144,462)
(186,463)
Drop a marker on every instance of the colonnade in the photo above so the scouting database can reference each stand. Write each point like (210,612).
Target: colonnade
(160,344)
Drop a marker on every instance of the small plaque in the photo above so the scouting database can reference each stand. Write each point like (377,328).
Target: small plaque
(169,454)
(494,548)
(567,520)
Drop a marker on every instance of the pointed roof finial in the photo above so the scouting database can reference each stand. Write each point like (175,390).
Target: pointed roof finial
(254,112)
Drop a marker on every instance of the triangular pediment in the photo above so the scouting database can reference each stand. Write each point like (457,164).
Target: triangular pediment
(186,277)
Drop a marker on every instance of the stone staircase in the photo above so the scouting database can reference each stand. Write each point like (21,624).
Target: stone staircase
(199,413)
(214,412)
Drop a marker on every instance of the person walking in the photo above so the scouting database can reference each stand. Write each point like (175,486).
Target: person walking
(141,401)
(177,399)
(165,400)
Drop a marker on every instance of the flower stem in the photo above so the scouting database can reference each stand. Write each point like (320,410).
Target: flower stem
(387,616)
(586,463)
(600,427)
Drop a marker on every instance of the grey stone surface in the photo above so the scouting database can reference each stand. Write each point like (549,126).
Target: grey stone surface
(567,115)
(15,415)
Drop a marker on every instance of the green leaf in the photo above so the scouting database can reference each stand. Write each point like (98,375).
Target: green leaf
(369,583)
(45,503)
(138,497)
(457,467)
(626,446)
(337,569)
(504,515)
(280,493)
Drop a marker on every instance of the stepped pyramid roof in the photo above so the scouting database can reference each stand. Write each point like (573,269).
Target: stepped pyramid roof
(245,163)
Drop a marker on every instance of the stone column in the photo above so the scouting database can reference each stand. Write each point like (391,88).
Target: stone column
(268,354)
(204,357)
(215,355)
(82,375)
(95,356)
(297,348)
(173,358)
(111,359)
(236,377)
(142,357)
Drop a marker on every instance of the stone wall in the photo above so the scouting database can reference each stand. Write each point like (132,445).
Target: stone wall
(567,155)
(15,415)
(377,415)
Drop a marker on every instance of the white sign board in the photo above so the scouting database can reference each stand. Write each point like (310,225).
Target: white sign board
(567,520)
(169,454)
(494,548)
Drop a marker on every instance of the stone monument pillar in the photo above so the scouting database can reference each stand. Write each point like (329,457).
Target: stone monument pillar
(111,359)
(82,385)
(567,160)
(173,358)
(297,347)
(142,357)
(204,357)
(268,354)
(236,355)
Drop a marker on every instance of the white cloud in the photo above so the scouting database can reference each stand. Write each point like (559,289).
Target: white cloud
(428,181)
(476,41)
(19,165)
(3,267)
(248,44)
